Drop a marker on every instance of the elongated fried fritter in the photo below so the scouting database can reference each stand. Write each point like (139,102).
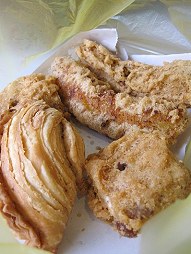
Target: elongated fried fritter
(171,81)
(96,104)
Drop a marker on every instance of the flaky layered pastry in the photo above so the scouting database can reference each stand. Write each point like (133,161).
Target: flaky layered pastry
(94,103)
(41,158)
(171,81)
(27,89)
(134,178)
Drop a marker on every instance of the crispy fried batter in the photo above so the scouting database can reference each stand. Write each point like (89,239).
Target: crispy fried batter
(171,81)
(105,65)
(97,105)
(134,178)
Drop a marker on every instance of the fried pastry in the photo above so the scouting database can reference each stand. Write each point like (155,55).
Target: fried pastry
(134,178)
(96,104)
(42,155)
(107,66)
(26,89)
(171,81)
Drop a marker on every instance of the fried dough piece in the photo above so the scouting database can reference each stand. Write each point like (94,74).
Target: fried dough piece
(26,89)
(171,81)
(41,156)
(134,178)
(94,103)
(107,66)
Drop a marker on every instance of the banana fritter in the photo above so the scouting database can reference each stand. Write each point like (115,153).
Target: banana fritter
(94,103)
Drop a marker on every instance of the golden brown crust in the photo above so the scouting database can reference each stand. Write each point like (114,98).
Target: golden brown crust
(98,207)
(171,81)
(94,103)
(75,150)
(37,185)
(134,178)
(25,90)
(105,65)
(14,218)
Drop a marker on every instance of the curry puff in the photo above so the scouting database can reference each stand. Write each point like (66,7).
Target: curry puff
(134,178)
(42,161)
(96,104)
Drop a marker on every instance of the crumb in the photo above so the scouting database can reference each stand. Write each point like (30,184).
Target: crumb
(79,214)
(98,148)
(83,229)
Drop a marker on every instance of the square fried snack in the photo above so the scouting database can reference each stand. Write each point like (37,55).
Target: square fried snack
(134,178)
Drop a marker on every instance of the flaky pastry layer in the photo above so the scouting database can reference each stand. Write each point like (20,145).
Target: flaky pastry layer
(25,90)
(41,158)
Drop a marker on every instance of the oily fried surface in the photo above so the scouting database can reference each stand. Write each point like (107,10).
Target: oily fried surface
(134,178)
(96,104)
(171,81)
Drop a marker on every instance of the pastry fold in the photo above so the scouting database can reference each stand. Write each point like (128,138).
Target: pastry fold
(25,90)
(41,159)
